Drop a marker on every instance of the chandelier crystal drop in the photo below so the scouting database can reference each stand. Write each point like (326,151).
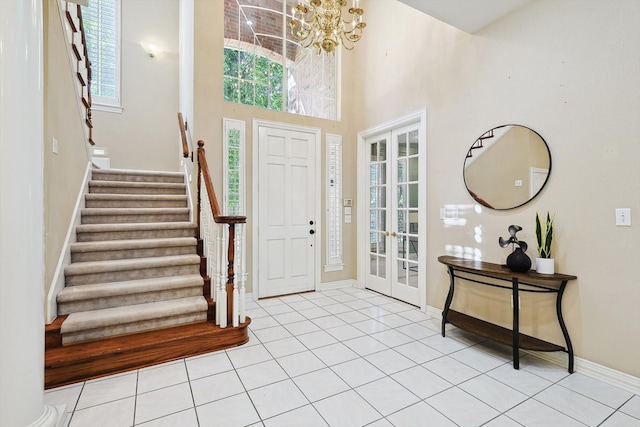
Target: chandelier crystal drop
(319,23)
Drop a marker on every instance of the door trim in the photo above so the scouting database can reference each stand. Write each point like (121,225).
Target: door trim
(419,117)
(255,208)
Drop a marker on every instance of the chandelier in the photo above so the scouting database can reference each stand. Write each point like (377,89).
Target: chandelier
(319,23)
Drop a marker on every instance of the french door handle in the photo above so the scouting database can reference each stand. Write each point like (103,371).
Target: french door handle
(386,233)
(394,234)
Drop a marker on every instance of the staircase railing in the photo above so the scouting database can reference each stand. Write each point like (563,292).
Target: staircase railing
(223,248)
(76,38)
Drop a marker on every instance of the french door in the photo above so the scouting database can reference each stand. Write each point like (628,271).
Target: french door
(395,239)
(287,214)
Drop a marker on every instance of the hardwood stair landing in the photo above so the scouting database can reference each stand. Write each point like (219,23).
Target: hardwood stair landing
(93,359)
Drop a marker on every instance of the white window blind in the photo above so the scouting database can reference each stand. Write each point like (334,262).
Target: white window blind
(334,203)
(101,20)
(234,173)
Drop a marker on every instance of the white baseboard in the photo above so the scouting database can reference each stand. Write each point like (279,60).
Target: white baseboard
(327,286)
(57,282)
(594,370)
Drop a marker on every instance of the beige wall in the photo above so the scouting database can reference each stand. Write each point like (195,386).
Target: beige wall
(144,135)
(210,110)
(63,172)
(569,70)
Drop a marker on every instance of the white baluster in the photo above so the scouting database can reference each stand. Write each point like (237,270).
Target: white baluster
(242,314)
(236,276)
(222,302)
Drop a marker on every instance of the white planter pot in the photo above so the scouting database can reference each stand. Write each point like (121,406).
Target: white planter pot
(545,265)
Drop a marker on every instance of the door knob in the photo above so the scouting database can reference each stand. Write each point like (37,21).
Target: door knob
(386,233)
(394,234)
(312,231)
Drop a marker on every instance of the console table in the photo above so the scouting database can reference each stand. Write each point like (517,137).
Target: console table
(530,281)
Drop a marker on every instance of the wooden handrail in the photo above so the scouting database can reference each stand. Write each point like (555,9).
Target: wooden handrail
(203,168)
(183,136)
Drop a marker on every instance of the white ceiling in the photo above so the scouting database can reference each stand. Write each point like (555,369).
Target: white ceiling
(467,15)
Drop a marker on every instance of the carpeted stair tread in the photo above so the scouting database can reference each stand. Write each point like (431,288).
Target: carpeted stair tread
(115,245)
(131,184)
(88,320)
(129,231)
(132,226)
(136,175)
(129,287)
(132,211)
(133,215)
(107,200)
(78,268)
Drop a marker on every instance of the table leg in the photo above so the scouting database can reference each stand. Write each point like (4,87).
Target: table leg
(516,324)
(447,303)
(565,332)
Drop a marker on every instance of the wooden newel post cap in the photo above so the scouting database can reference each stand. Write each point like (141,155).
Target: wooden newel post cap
(200,144)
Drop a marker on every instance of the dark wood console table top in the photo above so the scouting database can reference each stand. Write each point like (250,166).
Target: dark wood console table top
(529,281)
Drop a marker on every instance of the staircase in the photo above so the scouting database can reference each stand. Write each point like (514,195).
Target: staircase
(135,277)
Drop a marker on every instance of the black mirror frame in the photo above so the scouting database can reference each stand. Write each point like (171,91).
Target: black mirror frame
(484,203)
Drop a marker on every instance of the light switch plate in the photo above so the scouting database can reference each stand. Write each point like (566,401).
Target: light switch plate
(623,217)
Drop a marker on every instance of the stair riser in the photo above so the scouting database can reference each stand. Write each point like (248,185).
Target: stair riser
(101,176)
(137,219)
(122,300)
(131,253)
(136,203)
(135,190)
(135,234)
(133,327)
(143,273)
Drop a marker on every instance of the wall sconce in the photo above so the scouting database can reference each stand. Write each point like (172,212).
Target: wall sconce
(152,49)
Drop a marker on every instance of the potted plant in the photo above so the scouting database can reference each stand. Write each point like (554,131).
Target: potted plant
(544,233)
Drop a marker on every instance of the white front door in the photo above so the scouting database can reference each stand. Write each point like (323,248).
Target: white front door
(395,233)
(287,222)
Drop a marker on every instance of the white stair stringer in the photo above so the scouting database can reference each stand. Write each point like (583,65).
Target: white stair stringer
(134,266)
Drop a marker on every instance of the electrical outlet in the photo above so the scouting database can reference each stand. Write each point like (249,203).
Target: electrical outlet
(623,217)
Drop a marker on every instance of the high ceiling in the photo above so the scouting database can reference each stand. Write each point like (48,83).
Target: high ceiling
(466,15)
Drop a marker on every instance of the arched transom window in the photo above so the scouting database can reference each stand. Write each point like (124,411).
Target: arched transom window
(265,67)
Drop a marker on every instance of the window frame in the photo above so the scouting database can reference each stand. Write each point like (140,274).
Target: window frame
(296,73)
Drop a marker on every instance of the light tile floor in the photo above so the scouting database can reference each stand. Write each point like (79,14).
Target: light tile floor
(348,357)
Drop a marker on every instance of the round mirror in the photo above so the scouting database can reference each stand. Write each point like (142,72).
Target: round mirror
(507,166)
